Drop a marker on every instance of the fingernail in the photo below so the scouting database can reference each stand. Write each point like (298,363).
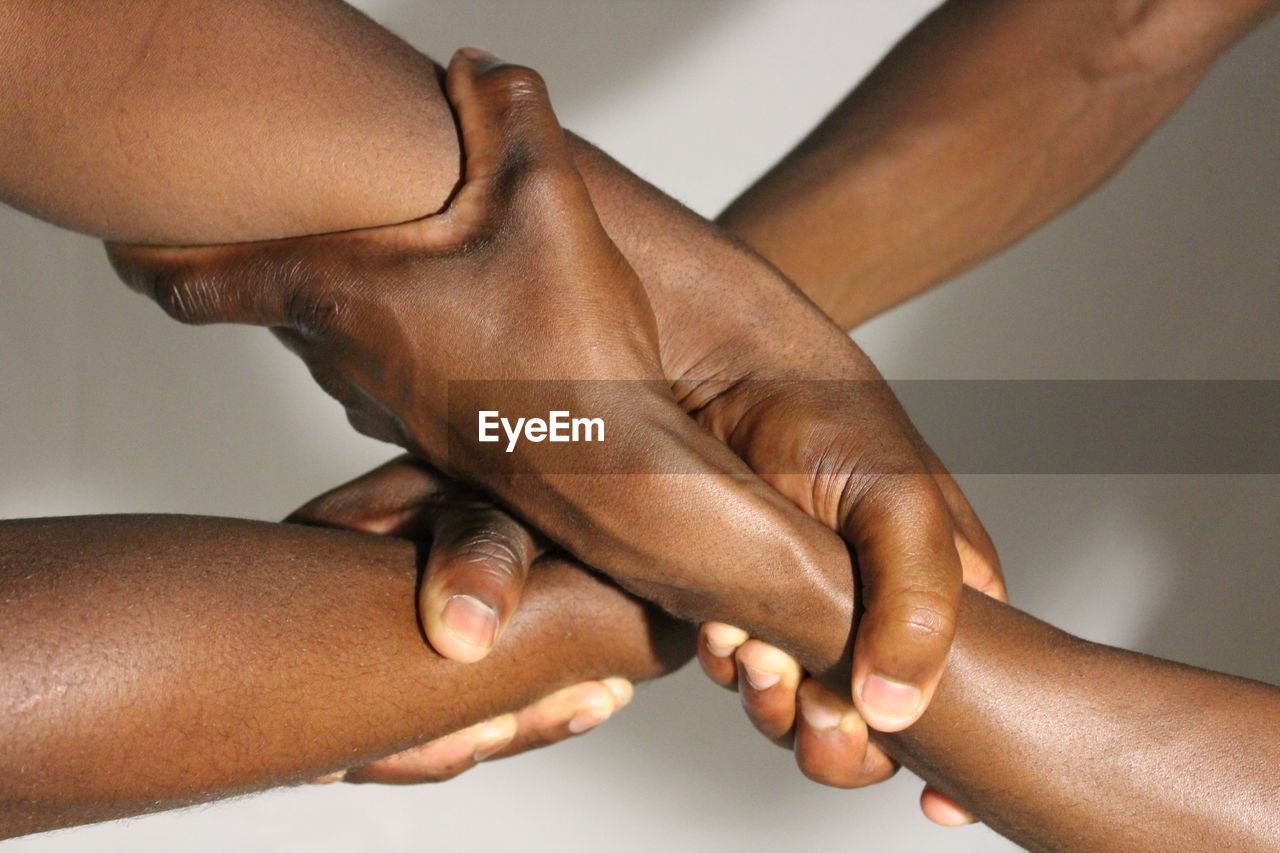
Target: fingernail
(477,53)
(330,779)
(587,719)
(891,699)
(471,619)
(491,735)
(719,650)
(486,748)
(820,716)
(723,640)
(622,691)
(760,679)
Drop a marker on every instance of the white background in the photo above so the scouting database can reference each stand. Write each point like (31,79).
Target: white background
(1170,272)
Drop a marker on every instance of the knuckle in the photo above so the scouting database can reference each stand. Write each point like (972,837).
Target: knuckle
(924,616)
(832,777)
(516,85)
(187,296)
(909,493)
(316,312)
(893,489)
(539,184)
(486,550)
(873,777)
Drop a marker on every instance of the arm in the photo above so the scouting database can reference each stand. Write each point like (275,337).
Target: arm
(1038,731)
(1057,743)
(197,121)
(1062,744)
(157,661)
(204,121)
(188,629)
(987,120)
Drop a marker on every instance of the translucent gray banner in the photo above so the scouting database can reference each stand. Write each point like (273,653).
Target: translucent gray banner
(975,426)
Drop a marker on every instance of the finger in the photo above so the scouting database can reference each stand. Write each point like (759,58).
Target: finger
(566,713)
(831,743)
(384,501)
(941,809)
(911,582)
(248,283)
(767,679)
(717,643)
(980,566)
(511,139)
(979,561)
(440,759)
(473,580)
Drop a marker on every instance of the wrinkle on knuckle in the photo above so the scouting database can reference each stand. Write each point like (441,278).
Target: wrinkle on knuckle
(188,296)
(515,85)
(894,485)
(489,552)
(318,312)
(910,492)
(924,617)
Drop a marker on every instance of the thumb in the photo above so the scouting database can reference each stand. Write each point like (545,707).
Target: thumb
(514,151)
(505,116)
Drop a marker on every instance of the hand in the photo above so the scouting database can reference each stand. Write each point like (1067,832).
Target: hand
(405,498)
(386,317)
(830,739)
(517,282)
(564,714)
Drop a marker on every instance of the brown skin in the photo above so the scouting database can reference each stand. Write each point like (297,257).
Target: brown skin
(829,748)
(387,318)
(956,146)
(408,499)
(1051,740)
(184,96)
(988,119)
(204,121)
(208,659)
(1057,743)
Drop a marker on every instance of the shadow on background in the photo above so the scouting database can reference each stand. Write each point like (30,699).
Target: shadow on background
(587,50)
(1170,272)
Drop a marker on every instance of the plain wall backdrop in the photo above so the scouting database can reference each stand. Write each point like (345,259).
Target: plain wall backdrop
(1170,272)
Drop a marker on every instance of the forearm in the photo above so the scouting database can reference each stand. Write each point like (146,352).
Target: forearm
(988,119)
(198,122)
(203,121)
(157,661)
(1066,745)
(1061,744)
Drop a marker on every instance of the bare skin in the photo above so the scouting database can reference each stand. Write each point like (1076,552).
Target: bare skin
(198,89)
(407,499)
(987,120)
(1073,715)
(218,641)
(212,657)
